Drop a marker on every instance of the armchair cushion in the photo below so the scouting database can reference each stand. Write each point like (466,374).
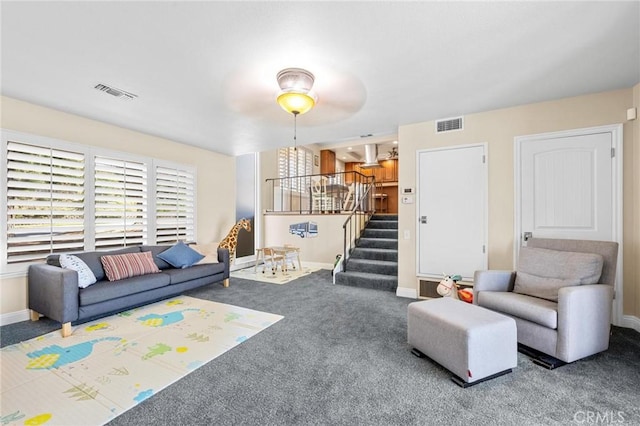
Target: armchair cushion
(536,310)
(542,272)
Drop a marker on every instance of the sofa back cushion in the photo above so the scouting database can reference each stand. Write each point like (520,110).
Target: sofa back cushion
(542,272)
(92,259)
(121,266)
(156,250)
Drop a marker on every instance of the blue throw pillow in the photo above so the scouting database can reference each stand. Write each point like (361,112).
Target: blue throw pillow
(180,255)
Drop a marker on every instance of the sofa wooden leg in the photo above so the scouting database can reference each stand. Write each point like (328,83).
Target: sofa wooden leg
(35,316)
(66,329)
(225,283)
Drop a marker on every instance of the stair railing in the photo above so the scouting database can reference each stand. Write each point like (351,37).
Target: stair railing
(357,220)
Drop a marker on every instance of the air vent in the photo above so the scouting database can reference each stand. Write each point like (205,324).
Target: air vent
(118,93)
(449,124)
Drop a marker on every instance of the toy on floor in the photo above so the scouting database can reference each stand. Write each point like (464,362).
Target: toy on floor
(449,287)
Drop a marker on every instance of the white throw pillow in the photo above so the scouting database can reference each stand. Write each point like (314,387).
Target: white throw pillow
(85,274)
(209,251)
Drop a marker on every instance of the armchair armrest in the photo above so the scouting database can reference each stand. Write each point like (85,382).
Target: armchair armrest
(492,280)
(584,318)
(53,292)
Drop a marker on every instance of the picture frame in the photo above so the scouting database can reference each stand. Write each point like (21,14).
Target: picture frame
(316,160)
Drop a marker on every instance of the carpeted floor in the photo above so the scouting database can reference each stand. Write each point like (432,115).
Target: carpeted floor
(340,357)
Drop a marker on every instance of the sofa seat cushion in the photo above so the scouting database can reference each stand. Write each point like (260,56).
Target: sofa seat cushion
(108,290)
(534,309)
(178,276)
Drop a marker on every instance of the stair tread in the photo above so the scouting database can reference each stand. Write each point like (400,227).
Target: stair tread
(372,261)
(370,275)
(376,249)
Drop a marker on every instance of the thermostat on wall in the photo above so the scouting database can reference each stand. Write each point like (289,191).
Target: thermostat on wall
(407,191)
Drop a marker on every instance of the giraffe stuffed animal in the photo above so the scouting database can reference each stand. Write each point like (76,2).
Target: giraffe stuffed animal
(231,240)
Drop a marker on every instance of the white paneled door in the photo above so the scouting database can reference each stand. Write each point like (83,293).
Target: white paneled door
(452,209)
(566,187)
(569,185)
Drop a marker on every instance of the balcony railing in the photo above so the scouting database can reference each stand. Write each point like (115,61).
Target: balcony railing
(321,194)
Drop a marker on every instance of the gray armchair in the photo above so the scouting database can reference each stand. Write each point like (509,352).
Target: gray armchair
(560,297)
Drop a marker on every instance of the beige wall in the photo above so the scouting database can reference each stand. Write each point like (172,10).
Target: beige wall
(498,129)
(216,172)
(320,249)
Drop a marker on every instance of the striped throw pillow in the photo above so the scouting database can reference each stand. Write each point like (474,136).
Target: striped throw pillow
(120,266)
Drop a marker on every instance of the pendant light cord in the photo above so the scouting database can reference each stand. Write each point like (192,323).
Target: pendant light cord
(295,131)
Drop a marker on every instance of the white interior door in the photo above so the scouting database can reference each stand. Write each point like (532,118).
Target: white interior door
(569,185)
(452,209)
(566,187)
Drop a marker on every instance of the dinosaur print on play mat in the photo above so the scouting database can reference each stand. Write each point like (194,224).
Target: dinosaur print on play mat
(163,320)
(55,356)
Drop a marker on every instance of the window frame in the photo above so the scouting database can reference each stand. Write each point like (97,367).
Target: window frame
(18,269)
(306,167)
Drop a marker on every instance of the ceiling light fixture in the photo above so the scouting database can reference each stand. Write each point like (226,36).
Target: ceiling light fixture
(295,94)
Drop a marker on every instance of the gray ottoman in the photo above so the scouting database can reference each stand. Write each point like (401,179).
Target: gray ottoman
(472,342)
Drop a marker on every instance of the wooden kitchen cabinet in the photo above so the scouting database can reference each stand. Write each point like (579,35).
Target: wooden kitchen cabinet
(389,170)
(327,162)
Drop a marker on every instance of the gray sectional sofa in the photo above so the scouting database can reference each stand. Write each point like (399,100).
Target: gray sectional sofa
(54,291)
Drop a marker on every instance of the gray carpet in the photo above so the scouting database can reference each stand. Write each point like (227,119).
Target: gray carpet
(340,357)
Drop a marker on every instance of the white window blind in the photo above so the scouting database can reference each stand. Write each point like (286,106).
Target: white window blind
(45,201)
(293,163)
(120,203)
(175,204)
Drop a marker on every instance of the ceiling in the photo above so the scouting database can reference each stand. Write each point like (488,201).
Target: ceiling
(205,72)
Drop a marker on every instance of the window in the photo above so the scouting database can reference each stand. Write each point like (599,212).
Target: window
(294,162)
(62,197)
(175,204)
(120,203)
(44,201)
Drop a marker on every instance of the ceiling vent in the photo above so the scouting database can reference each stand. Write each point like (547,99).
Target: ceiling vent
(449,124)
(118,93)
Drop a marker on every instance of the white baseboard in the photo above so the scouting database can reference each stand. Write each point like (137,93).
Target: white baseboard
(631,322)
(410,293)
(13,317)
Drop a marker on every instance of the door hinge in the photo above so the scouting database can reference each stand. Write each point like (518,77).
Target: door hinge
(484,159)
(484,249)
(613,152)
